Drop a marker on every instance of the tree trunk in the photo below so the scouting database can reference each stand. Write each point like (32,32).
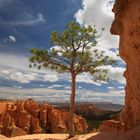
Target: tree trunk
(72,104)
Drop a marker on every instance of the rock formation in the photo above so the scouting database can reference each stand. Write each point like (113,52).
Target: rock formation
(127,26)
(112,126)
(29,117)
(8,127)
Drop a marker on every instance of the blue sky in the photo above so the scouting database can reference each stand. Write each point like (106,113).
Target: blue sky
(28,23)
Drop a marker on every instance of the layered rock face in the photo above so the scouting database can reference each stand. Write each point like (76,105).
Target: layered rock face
(127,26)
(29,117)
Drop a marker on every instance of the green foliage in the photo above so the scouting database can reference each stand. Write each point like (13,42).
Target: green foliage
(75,52)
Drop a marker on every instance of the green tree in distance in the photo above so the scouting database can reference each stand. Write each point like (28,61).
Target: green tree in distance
(76,53)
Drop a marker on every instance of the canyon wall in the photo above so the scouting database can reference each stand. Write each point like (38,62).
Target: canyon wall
(127,26)
(30,117)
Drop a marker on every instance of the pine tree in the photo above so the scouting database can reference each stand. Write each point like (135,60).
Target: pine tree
(76,53)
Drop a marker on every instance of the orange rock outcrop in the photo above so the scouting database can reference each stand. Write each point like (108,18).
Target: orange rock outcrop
(127,26)
(112,126)
(31,117)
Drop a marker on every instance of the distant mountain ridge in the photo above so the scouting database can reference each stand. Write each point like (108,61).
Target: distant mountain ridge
(100,105)
(94,113)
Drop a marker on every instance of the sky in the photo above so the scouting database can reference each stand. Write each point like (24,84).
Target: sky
(26,24)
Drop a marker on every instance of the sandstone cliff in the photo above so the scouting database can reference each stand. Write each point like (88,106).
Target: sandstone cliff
(29,117)
(127,26)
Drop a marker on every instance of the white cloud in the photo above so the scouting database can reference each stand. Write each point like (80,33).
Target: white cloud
(10,39)
(24,15)
(95,12)
(57,86)
(12,60)
(13,69)
(6,72)
(67,87)
(98,12)
(50,87)
(21,77)
(57,48)
(62,95)
(79,87)
(115,73)
(110,87)
(17,87)
(121,87)
(50,78)
(106,52)
(18,76)
(86,79)
(29,20)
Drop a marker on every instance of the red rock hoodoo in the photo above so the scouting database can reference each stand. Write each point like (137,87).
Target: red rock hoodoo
(127,26)
(29,117)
